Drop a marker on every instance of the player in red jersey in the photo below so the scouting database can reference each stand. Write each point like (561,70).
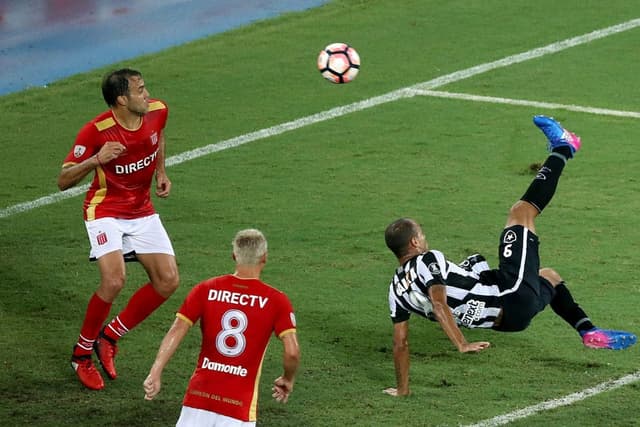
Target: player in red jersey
(124,147)
(238,313)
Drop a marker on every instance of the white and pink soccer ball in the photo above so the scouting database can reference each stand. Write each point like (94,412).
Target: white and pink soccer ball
(339,63)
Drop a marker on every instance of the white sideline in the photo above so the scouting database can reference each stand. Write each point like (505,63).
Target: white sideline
(358,106)
(555,403)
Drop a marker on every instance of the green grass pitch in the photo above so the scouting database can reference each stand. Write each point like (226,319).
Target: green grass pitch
(323,193)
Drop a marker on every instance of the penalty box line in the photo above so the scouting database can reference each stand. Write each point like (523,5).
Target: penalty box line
(340,111)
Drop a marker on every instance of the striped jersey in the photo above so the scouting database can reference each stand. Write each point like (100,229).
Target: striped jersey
(121,188)
(474,304)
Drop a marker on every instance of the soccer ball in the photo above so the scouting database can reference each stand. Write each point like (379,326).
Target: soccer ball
(420,300)
(339,63)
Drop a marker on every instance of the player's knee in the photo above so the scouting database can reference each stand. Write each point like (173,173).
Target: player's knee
(551,275)
(168,282)
(111,285)
(174,282)
(522,213)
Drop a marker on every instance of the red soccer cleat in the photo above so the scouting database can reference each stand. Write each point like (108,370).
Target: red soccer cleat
(87,372)
(106,350)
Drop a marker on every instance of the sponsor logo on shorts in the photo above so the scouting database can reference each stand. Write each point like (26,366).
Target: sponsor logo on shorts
(101,238)
(510,236)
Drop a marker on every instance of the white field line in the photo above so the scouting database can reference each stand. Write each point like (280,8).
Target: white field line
(523,102)
(531,54)
(341,111)
(555,403)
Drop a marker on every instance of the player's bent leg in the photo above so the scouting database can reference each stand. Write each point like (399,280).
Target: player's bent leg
(566,307)
(522,213)
(112,280)
(551,275)
(162,271)
(112,275)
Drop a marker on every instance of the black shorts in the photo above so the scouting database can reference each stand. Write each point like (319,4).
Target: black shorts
(524,293)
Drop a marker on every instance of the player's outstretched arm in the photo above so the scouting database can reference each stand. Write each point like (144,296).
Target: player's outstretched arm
(438,297)
(401,360)
(168,346)
(283,385)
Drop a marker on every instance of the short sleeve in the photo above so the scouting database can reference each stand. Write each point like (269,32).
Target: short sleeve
(84,146)
(397,313)
(193,305)
(285,317)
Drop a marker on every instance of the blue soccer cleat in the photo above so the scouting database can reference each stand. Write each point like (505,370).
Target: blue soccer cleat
(556,134)
(609,339)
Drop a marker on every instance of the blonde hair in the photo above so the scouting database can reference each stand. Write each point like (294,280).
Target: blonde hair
(249,246)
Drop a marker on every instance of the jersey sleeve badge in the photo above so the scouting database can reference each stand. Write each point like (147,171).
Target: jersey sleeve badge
(79,150)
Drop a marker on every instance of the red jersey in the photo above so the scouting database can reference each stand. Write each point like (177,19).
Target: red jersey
(121,188)
(237,317)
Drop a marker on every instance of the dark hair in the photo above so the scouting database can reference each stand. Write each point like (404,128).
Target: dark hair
(116,83)
(398,234)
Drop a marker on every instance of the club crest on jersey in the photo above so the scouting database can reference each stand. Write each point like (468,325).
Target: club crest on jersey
(433,268)
(510,237)
(79,150)
(154,138)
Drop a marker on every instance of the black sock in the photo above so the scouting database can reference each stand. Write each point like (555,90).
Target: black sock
(564,150)
(543,187)
(564,306)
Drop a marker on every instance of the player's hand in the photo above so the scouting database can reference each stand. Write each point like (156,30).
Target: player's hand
(163,185)
(151,387)
(281,389)
(474,347)
(392,391)
(109,151)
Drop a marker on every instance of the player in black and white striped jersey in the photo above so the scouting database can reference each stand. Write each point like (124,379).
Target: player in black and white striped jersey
(473,304)
(474,296)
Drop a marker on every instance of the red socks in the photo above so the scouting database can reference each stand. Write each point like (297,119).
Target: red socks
(143,302)
(97,312)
